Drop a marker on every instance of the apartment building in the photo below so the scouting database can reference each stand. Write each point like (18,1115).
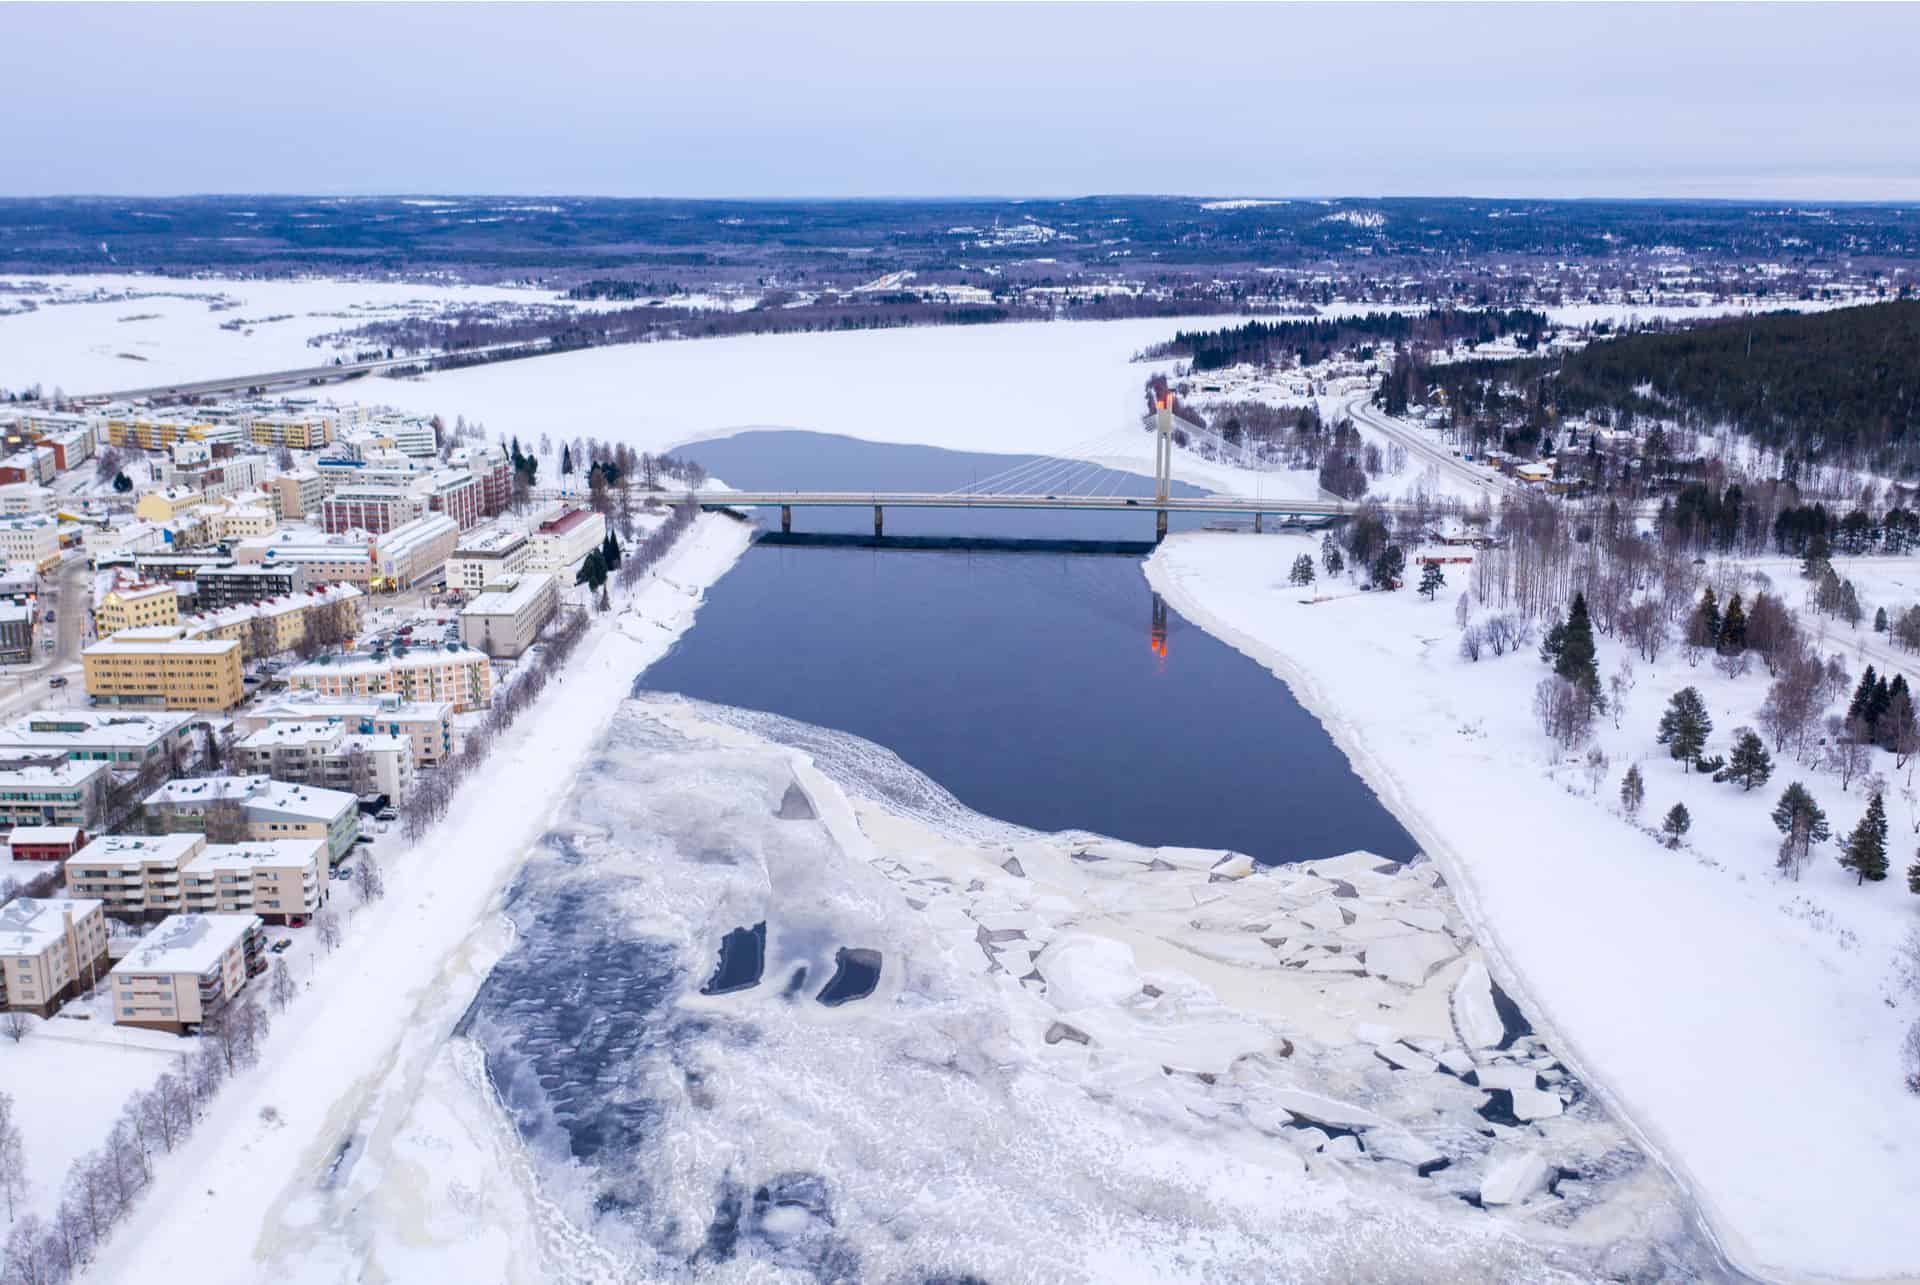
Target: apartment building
(140,604)
(319,557)
(280,624)
(218,587)
(22,499)
(373,508)
(561,542)
(458,494)
(63,793)
(125,739)
(168,505)
(71,447)
(187,970)
(158,432)
(51,949)
(508,616)
(135,876)
(487,555)
(158,667)
(297,494)
(426,726)
(295,431)
(277,879)
(33,465)
(327,754)
(239,518)
(33,538)
(267,808)
(416,552)
(459,675)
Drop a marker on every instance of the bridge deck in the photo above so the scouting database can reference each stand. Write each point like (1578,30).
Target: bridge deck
(1229,504)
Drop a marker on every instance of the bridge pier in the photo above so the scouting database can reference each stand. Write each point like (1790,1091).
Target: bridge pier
(786,519)
(878,524)
(1257,528)
(1159,525)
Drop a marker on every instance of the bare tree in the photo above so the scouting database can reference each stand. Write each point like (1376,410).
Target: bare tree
(367,879)
(326,925)
(15,1025)
(280,987)
(1564,710)
(13,1156)
(263,637)
(1849,749)
(226,821)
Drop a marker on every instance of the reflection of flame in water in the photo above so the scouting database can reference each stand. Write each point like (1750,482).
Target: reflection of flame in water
(1157,631)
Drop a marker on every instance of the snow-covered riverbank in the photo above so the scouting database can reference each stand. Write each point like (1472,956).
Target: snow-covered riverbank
(1744,1025)
(1118,1063)
(345,1057)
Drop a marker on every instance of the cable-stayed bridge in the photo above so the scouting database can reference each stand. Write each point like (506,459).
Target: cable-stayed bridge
(1080,479)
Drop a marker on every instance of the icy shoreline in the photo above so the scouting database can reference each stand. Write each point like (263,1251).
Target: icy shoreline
(1642,1048)
(1225,1068)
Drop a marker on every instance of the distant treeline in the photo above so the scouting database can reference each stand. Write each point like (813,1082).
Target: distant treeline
(1275,342)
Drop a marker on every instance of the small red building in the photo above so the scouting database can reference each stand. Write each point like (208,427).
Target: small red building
(46,842)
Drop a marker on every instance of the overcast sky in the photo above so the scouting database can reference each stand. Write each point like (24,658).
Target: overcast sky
(1809,102)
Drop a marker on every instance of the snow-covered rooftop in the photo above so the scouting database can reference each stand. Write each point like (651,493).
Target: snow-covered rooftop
(28,925)
(187,944)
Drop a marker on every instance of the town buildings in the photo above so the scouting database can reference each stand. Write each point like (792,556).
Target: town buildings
(50,948)
(487,555)
(16,632)
(138,604)
(134,876)
(507,617)
(45,842)
(32,538)
(124,738)
(159,668)
(278,879)
(459,675)
(267,809)
(62,793)
(327,754)
(561,542)
(187,970)
(281,624)
(216,588)
(426,726)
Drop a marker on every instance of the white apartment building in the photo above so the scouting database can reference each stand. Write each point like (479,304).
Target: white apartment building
(459,675)
(560,543)
(188,969)
(486,555)
(268,808)
(327,754)
(134,876)
(507,618)
(277,879)
(50,949)
(426,726)
(22,499)
(125,740)
(32,537)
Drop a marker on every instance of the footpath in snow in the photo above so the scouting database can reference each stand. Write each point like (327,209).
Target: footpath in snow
(350,1046)
(1740,1023)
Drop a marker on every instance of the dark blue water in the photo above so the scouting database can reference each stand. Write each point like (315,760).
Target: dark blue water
(1051,690)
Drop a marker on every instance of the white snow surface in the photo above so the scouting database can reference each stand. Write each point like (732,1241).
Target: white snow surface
(1745,1025)
(170,327)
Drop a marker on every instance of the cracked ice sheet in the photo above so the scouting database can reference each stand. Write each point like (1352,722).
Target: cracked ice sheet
(927,1129)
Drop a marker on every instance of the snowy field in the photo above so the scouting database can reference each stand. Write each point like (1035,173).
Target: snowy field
(1119,1063)
(95,334)
(1747,1025)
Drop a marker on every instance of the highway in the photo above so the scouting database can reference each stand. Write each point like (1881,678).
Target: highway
(304,375)
(1422,447)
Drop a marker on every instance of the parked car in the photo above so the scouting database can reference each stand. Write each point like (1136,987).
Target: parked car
(363,838)
(297,921)
(49,616)
(386,814)
(57,681)
(343,872)
(282,944)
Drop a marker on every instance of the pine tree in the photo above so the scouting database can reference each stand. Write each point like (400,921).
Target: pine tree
(1733,628)
(1330,558)
(1431,578)
(1802,822)
(1678,822)
(566,460)
(1866,850)
(1554,643)
(1749,764)
(1302,573)
(1633,791)
(593,570)
(1862,697)
(1880,621)
(1815,564)
(1704,629)
(1913,876)
(1576,662)
(1685,726)
(610,552)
